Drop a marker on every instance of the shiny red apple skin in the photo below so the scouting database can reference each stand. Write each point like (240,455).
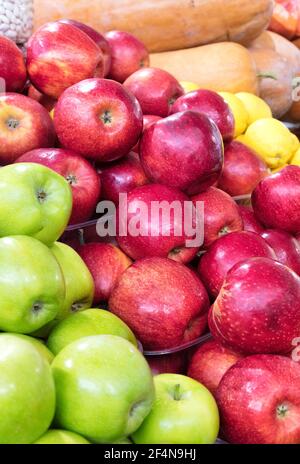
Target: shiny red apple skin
(225,253)
(286,247)
(258,308)
(212,105)
(174,363)
(210,362)
(98,119)
(81,175)
(259,401)
(122,176)
(221,214)
(25,125)
(128,55)
(155,89)
(44,100)
(106,264)
(98,38)
(160,234)
(148,120)
(242,171)
(60,55)
(12,66)
(276,200)
(251,224)
(184,151)
(162,301)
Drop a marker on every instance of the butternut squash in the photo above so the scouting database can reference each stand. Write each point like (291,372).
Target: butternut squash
(275,75)
(166,24)
(221,67)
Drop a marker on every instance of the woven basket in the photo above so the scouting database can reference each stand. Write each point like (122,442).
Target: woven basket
(16,19)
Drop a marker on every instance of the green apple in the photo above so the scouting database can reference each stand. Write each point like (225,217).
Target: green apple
(61,437)
(79,285)
(88,322)
(39,345)
(184,412)
(27,394)
(104,388)
(32,288)
(35,201)
(78,279)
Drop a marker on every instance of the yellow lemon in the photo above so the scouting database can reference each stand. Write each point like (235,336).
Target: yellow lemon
(271,140)
(296,158)
(279,169)
(255,106)
(239,112)
(296,142)
(189,86)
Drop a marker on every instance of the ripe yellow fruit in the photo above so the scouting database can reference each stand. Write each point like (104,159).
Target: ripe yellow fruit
(296,158)
(239,112)
(255,106)
(189,86)
(271,140)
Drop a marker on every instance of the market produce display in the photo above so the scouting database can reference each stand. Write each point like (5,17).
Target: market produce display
(150,223)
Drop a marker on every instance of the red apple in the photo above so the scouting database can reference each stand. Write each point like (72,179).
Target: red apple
(83,178)
(162,301)
(276,200)
(128,55)
(148,120)
(221,214)
(155,89)
(12,66)
(227,251)
(121,177)
(212,105)
(44,100)
(173,363)
(162,232)
(106,264)
(98,38)
(59,55)
(184,151)
(259,401)
(258,308)
(210,362)
(251,224)
(242,171)
(25,125)
(98,119)
(286,247)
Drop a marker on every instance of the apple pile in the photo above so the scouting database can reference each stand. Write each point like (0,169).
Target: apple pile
(85,118)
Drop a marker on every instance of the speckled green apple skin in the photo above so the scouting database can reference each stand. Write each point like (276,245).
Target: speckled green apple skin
(29,275)
(21,210)
(79,285)
(27,394)
(192,419)
(61,437)
(85,323)
(78,279)
(39,345)
(104,388)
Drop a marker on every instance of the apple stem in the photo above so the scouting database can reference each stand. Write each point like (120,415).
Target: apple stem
(81,236)
(177,394)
